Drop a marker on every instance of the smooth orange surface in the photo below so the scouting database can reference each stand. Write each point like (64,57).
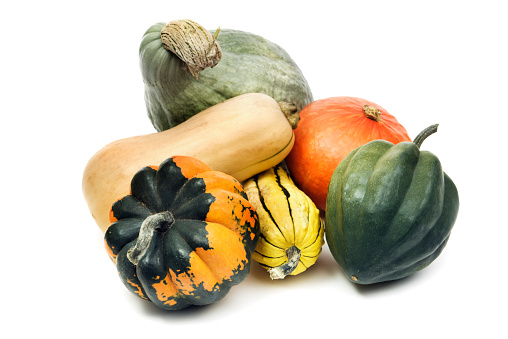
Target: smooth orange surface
(329,129)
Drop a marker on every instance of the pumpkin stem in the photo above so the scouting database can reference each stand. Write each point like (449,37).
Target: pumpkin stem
(293,254)
(372,113)
(160,222)
(291,112)
(424,134)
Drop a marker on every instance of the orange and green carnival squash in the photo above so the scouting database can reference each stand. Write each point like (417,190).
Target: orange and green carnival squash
(184,235)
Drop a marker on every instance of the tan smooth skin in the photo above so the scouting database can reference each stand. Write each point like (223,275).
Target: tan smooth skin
(241,136)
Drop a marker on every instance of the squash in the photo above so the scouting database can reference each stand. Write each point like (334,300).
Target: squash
(292,233)
(390,210)
(248,64)
(328,130)
(184,235)
(242,136)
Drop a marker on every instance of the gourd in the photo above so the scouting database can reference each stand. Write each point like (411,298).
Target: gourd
(247,63)
(292,233)
(390,210)
(328,130)
(241,136)
(184,235)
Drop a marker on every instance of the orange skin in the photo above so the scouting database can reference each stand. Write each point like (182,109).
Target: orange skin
(329,129)
(230,220)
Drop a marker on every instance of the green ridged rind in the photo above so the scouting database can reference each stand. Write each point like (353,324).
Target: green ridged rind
(249,64)
(390,211)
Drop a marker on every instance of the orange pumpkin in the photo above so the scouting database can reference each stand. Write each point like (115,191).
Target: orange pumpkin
(329,129)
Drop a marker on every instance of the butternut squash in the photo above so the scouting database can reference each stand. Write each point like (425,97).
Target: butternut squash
(241,136)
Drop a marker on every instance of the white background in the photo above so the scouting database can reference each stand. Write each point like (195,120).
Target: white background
(71,83)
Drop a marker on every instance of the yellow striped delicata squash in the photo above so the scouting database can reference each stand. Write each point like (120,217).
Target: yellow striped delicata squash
(291,230)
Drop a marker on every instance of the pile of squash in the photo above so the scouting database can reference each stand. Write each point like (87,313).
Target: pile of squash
(246,166)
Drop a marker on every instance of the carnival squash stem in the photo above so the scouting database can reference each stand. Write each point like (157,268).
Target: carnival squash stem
(160,222)
(293,254)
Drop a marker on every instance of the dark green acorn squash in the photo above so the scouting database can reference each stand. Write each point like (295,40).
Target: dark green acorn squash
(249,64)
(184,236)
(389,210)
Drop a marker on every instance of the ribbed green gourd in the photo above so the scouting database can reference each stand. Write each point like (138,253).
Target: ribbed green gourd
(248,64)
(389,211)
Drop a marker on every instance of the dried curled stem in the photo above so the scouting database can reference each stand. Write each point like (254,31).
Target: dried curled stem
(193,44)
(293,253)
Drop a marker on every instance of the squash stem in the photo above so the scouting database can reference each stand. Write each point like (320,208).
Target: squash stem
(425,134)
(280,272)
(372,113)
(160,222)
(290,112)
(216,34)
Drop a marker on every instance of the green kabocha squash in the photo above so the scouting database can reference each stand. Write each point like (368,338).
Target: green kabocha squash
(389,210)
(187,69)
(184,235)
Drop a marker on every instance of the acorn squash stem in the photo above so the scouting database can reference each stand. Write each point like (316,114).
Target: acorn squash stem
(160,222)
(424,134)
(293,254)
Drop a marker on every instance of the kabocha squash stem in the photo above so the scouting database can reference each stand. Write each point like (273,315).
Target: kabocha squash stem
(293,254)
(160,222)
(425,134)
(193,44)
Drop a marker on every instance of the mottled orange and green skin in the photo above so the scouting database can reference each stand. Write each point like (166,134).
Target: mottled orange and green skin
(203,253)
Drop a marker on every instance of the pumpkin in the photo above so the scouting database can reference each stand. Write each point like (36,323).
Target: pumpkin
(328,130)
(184,235)
(248,64)
(242,136)
(291,230)
(390,210)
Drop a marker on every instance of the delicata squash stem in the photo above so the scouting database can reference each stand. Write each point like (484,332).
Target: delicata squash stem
(293,254)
